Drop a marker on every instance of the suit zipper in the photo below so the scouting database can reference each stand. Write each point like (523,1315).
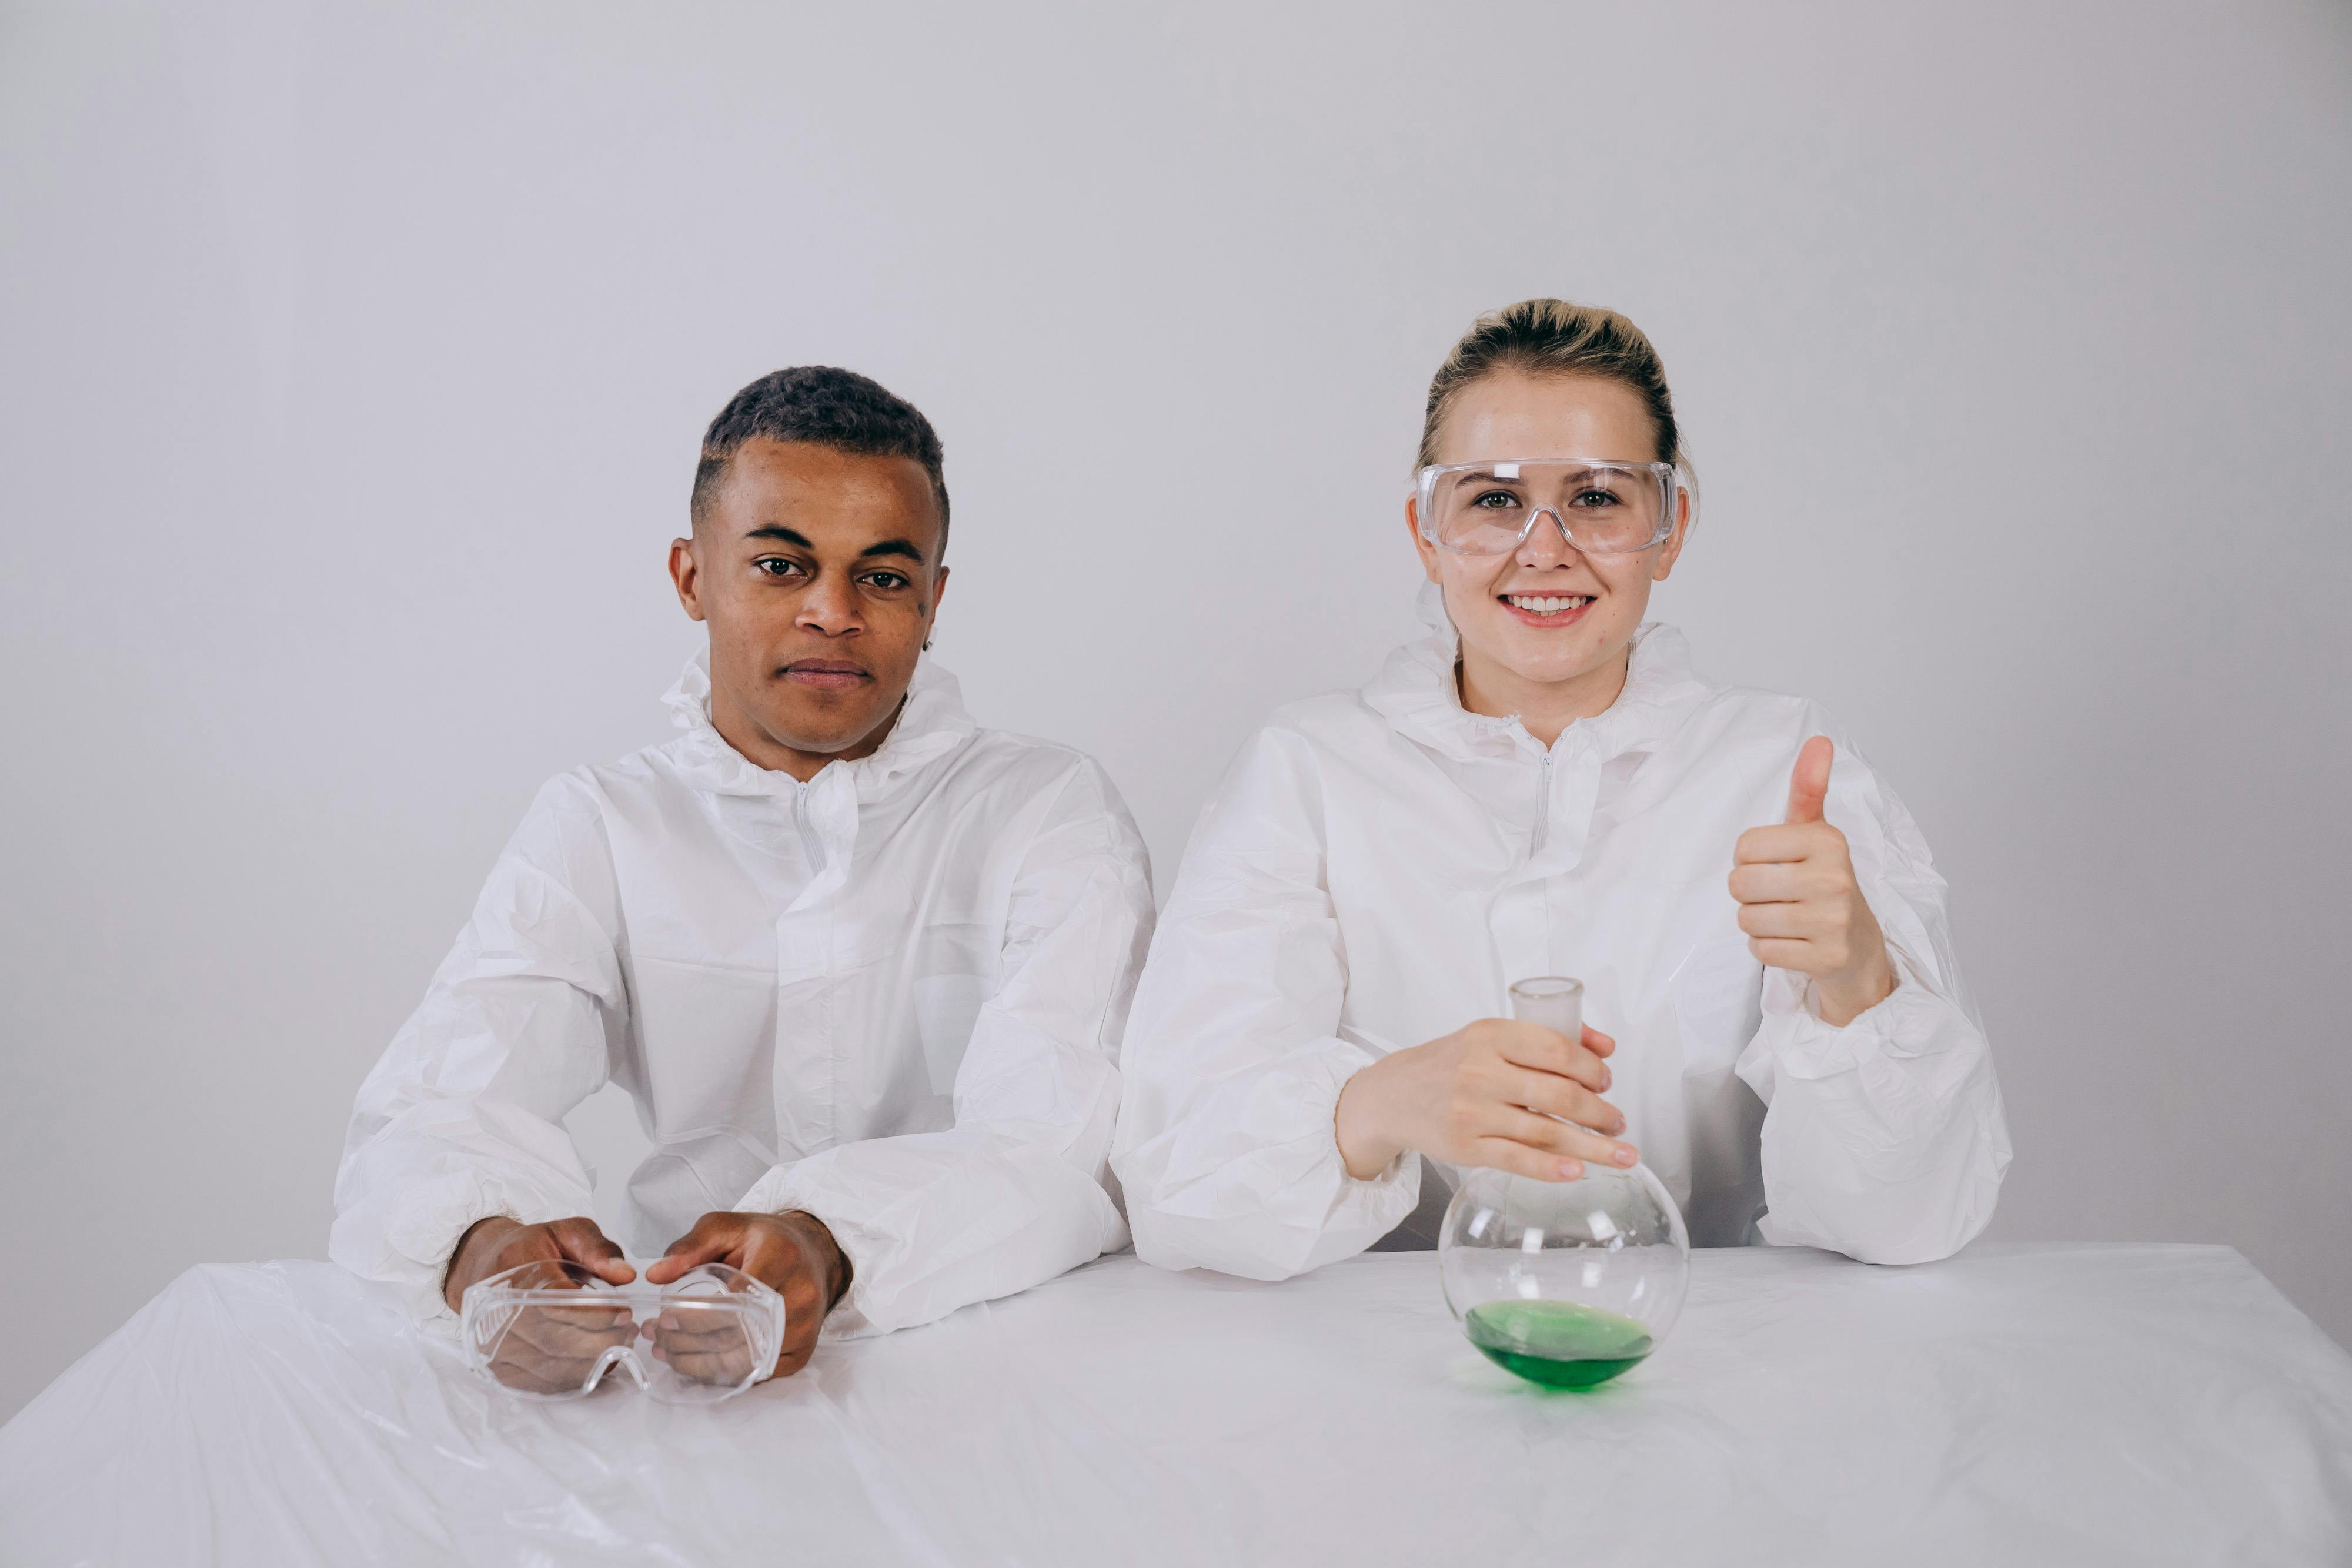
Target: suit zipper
(1543,805)
(811,846)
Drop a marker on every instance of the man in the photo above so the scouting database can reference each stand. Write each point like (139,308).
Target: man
(863,966)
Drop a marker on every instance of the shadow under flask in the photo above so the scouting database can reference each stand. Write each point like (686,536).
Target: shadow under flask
(1565,1283)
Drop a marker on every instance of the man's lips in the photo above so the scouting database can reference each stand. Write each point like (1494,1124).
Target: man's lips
(830,674)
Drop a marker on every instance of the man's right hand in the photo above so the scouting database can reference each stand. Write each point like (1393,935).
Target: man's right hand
(546,1350)
(498,1244)
(1515,1096)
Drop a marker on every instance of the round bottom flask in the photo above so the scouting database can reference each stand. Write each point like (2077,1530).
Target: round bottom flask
(1568,1283)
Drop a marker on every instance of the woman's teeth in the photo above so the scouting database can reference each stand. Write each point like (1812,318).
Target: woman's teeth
(1552,604)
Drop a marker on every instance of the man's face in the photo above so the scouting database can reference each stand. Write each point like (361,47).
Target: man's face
(817,573)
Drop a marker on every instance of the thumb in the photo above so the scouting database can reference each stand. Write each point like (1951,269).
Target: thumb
(1809,782)
(712,1239)
(584,1242)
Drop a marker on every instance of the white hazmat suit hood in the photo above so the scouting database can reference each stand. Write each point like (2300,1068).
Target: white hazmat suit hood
(1378,866)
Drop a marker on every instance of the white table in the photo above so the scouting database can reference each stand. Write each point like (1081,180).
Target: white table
(2077,1405)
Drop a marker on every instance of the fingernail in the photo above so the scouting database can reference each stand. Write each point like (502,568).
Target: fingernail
(1569,1170)
(1607,1078)
(1624,1156)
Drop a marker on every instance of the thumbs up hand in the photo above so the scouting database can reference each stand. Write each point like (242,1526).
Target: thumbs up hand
(1800,904)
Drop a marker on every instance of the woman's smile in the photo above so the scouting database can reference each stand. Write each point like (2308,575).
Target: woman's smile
(1551,609)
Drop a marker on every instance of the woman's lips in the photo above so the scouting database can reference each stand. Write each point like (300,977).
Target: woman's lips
(1552,621)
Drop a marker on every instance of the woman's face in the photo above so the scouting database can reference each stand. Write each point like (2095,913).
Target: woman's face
(1508,416)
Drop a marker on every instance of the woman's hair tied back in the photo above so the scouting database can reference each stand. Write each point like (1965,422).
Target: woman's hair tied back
(1555,338)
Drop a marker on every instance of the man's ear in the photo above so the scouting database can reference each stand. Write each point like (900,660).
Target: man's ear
(939,592)
(686,573)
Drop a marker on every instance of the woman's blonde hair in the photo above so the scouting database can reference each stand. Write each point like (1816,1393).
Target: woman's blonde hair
(1554,338)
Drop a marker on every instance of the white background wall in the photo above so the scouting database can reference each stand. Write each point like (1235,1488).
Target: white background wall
(352,360)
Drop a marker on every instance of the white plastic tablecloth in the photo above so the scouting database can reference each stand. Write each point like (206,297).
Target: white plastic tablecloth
(2079,1405)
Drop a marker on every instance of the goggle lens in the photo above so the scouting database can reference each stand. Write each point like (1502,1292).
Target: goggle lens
(554,1330)
(1602,508)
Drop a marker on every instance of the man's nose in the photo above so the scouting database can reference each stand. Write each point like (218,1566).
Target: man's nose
(1545,541)
(830,606)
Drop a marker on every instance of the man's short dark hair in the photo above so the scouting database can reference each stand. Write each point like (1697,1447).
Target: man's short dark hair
(825,407)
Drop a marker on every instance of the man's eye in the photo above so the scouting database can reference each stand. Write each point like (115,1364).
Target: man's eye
(888,579)
(777,566)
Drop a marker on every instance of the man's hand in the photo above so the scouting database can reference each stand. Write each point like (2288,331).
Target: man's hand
(1515,1096)
(548,1350)
(792,1254)
(498,1244)
(1800,904)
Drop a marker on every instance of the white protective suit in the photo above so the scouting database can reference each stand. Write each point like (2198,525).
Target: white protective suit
(1378,866)
(891,996)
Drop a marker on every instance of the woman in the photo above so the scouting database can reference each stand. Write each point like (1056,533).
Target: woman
(1543,787)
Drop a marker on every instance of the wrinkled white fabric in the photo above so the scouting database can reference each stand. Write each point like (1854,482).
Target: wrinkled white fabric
(891,996)
(2025,1408)
(1378,867)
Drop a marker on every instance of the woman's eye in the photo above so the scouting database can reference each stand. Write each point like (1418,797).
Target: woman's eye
(1593,500)
(1495,500)
(776,566)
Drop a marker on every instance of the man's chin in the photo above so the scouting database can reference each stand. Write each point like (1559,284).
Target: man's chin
(829,731)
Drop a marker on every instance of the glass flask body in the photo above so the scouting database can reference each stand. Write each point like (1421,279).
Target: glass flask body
(1568,1283)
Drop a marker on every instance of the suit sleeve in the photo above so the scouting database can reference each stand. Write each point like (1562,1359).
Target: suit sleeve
(1016,1191)
(1883,1139)
(462,1118)
(1234,1057)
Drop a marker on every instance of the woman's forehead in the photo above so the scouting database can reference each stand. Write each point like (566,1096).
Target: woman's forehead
(1508,413)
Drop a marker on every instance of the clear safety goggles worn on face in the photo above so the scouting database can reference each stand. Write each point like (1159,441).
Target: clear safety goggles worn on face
(552,1330)
(1601,508)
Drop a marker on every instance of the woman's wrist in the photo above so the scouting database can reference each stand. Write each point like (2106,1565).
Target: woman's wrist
(1841,1004)
(1365,1149)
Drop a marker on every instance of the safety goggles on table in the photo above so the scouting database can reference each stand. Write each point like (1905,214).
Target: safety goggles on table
(552,1331)
(1601,508)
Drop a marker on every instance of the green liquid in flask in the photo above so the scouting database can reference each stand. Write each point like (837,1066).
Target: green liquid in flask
(1558,1344)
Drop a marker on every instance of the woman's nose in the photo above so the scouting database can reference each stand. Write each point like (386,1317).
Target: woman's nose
(1545,541)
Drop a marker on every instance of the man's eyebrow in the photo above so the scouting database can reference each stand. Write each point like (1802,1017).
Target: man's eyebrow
(779,532)
(893,547)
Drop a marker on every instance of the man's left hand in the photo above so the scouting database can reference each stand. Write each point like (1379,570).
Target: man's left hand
(792,1254)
